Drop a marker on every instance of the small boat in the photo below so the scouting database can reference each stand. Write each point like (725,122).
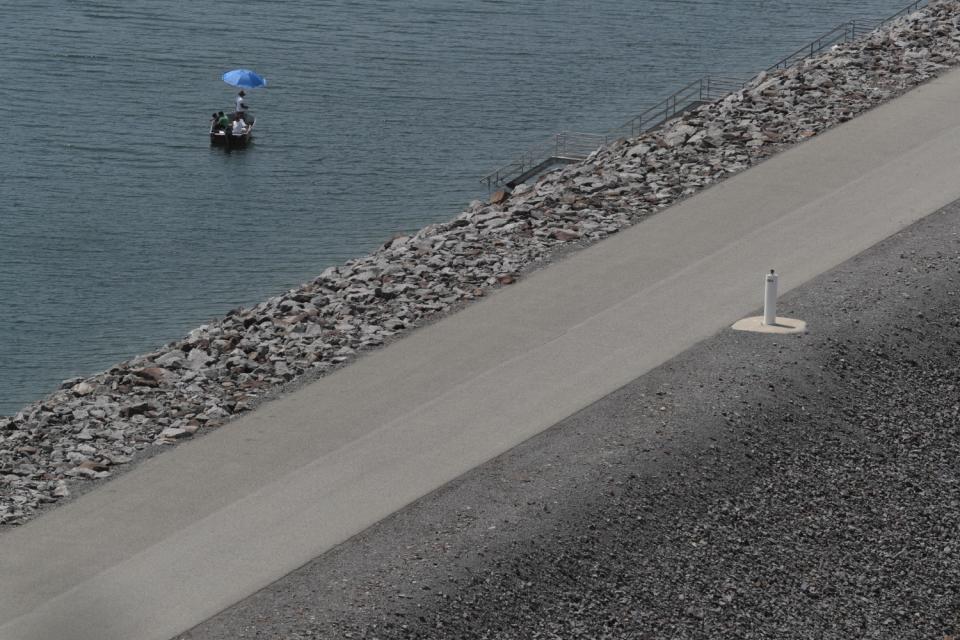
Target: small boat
(221,138)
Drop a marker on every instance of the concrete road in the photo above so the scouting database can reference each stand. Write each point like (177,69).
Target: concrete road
(698,499)
(194,530)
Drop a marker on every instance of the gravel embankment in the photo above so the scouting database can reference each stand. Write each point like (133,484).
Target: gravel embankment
(754,487)
(90,428)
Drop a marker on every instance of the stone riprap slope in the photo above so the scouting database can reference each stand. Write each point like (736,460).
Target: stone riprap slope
(220,370)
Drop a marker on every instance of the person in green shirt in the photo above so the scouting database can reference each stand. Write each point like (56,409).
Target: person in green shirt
(223,121)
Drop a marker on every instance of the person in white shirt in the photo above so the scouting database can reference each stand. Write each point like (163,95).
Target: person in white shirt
(241,104)
(239,126)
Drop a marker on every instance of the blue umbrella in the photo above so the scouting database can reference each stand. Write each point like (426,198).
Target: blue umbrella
(244,78)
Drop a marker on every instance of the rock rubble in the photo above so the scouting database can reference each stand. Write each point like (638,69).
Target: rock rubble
(90,426)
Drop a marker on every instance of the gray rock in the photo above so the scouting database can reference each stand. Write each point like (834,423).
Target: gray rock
(82,388)
(173,433)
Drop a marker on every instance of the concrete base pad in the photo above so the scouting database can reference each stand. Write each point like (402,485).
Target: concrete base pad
(782,325)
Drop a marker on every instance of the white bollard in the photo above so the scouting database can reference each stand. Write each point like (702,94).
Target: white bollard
(770,299)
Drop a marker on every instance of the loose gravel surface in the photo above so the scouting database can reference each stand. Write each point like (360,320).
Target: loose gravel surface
(756,486)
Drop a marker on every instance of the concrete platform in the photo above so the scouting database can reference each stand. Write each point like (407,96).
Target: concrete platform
(782,326)
(195,530)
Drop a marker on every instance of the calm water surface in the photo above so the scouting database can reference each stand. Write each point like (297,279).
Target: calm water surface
(121,229)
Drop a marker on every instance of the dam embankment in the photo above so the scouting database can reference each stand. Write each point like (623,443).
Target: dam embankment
(92,427)
(755,486)
(184,535)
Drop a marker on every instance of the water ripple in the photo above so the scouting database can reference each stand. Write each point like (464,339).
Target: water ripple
(121,229)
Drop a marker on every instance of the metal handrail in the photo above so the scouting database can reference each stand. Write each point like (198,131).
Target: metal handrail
(562,146)
(910,8)
(566,145)
(709,88)
(663,110)
(575,145)
(852,29)
(841,32)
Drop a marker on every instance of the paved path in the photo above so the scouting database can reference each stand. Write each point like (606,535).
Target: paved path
(730,474)
(192,531)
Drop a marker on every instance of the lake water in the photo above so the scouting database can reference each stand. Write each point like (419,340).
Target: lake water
(121,229)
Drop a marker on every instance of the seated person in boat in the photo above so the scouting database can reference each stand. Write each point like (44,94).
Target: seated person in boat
(214,122)
(239,126)
(223,122)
